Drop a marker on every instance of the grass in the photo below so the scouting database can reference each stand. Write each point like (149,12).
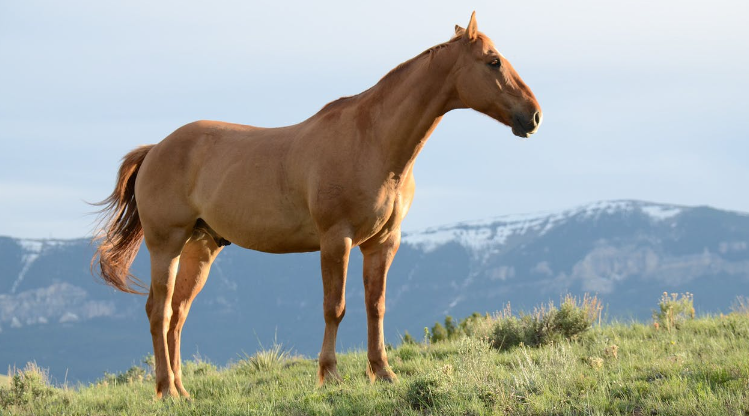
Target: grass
(615,369)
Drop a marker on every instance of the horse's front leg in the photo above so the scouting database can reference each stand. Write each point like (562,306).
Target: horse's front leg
(377,259)
(334,255)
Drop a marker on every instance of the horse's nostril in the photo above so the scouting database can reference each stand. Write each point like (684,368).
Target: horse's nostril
(537,118)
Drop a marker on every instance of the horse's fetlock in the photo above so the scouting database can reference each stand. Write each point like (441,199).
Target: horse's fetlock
(327,361)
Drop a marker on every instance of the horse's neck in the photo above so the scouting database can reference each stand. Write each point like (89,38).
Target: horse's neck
(403,111)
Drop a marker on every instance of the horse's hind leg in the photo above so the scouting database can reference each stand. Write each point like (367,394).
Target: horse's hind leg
(194,265)
(165,248)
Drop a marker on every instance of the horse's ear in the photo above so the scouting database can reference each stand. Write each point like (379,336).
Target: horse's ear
(459,31)
(472,30)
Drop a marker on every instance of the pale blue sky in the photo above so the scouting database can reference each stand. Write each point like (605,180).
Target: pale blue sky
(641,99)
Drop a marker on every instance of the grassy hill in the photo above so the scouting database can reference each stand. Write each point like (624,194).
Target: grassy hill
(629,369)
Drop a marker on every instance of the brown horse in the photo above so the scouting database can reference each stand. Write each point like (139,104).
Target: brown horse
(341,179)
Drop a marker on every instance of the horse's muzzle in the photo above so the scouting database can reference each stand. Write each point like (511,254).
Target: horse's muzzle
(524,126)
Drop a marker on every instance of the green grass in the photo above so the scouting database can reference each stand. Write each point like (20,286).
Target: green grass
(627,369)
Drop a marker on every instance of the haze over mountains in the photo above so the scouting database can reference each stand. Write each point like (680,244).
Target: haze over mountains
(628,252)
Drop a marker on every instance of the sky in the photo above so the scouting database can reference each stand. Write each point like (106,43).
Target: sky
(642,99)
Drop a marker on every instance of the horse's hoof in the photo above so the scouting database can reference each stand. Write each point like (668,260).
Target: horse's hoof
(167,392)
(383,374)
(328,376)
(389,378)
(164,396)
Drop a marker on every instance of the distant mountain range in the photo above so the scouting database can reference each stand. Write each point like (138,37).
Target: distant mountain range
(628,252)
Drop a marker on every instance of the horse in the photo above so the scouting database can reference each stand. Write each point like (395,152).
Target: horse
(341,179)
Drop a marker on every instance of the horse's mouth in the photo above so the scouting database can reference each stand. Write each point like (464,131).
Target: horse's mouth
(521,132)
(520,129)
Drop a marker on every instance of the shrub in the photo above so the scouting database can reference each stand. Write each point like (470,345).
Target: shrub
(197,366)
(476,325)
(508,332)
(546,324)
(442,333)
(451,327)
(505,330)
(575,317)
(26,385)
(408,339)
(472,326)
(439,333)
(134,374)
(673,310)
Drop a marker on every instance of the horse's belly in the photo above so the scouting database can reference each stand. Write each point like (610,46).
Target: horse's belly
(284,241)
(267,232)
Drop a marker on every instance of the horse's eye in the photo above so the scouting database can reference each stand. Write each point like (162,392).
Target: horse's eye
(495,63)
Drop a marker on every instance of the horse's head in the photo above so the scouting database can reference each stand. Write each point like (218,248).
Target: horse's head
(487,82)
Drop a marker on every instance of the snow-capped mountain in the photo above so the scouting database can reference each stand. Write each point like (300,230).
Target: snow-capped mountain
(611,248)
(628,252)
(488,235)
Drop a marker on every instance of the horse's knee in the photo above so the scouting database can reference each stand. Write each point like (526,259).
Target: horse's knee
(149,305)
(334,312)
(179,315)
(376,308)
(159,321)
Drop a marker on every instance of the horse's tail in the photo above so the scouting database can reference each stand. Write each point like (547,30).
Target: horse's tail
(120,232)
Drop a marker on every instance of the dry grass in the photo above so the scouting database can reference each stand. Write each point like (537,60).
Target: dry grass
(741,305)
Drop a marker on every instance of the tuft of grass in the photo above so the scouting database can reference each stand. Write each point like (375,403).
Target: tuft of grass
(740,305)
(424,393)
(265,360)
(408,352)
(674,310)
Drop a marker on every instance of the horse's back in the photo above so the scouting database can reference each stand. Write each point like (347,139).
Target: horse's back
(234,177)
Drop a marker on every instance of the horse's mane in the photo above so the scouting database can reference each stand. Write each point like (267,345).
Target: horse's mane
(392,75)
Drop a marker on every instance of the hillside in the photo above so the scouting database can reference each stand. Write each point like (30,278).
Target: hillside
(615,369)
(628,252)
